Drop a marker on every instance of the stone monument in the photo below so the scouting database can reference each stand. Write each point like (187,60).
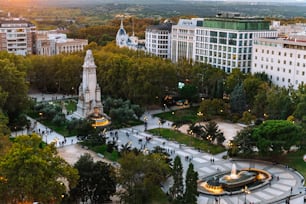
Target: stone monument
(89,100)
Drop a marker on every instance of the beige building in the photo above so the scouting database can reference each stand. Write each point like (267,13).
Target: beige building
(52,43)
(283,60)
(17,36)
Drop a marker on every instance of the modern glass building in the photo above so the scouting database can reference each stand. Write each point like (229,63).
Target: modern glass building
(226,41)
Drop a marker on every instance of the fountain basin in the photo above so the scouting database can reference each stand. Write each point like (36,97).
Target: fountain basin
(233,181)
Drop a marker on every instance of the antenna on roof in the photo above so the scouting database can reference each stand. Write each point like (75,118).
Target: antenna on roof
(133,26)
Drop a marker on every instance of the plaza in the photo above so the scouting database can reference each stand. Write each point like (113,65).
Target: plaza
(286,184)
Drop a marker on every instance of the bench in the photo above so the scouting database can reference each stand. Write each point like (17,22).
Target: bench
(100,155)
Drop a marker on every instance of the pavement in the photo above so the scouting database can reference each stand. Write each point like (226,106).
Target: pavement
(284,178)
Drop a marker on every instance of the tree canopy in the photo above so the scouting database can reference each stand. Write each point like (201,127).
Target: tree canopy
(34,172)
(141,176)
(97,181)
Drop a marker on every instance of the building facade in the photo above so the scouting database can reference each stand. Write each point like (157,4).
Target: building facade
(17,36)
(158,40)
(226,41)
(283,60)
(124,40)
(183,38)
(52,43)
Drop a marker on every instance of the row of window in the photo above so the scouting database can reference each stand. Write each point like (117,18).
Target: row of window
(279,53)
(297,72)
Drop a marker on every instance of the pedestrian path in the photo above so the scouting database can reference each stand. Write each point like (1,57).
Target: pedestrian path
(286,182)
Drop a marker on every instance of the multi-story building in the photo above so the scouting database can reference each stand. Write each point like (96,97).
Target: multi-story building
(226,41)
(52,43)
(17,36)
(283,60)
(183,38)
(158,40)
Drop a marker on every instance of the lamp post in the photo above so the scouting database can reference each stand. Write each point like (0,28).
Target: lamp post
(145,122)
(246,191)
(200,115)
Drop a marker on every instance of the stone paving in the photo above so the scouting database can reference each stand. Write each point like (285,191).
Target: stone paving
(284,178)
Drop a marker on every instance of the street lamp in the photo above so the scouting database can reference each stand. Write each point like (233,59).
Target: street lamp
(200,114)
(246,191)
(145,122)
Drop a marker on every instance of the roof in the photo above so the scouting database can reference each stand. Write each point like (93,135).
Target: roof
(165,26)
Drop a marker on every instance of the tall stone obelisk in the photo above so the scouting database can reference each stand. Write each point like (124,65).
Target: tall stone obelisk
(89,90)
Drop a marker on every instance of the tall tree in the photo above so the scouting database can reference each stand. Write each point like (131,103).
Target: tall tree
(235,78)
(97,181)
(177,189)
(141,176)
(14,86)
(34,172)
(191,192)
(279,104)
(238,99)
(212,132)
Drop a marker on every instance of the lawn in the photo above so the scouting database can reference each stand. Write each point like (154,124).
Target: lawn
(188,140)
(188,115)
(295,160)
(113,156)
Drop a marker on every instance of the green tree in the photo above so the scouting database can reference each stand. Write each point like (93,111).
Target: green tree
(177,189)
(251,86)
(191,192)
(189,92)
(276,136)
(97,181)
(213,107)
(279,104)
(243,142)
(213,133)
(141,176)
(14,88)
(238,99)
(260,101)
(235,78)
(34,172)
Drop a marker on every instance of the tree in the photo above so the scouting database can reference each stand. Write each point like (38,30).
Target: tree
(235,78)
(141,177)
(212,133)
(279,104)
(177,190)
(243,142)
(189,92)
(276,136)
(97,181)
(238,99)
(34,172)
(191,192)
(14,88)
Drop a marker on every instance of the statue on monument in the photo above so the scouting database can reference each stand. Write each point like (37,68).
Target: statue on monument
(89,100)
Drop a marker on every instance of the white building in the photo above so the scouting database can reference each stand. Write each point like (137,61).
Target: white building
(17,36)
(183,38)
(283,60)
(226,41)
(52,43)
(124,40)
(158,40)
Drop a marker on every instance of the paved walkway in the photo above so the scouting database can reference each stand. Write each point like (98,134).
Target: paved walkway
(277,192)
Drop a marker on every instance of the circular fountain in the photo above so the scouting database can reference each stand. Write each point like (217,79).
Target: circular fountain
(233,181)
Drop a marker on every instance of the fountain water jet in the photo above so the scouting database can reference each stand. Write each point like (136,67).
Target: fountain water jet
(227,182)
(234,172)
